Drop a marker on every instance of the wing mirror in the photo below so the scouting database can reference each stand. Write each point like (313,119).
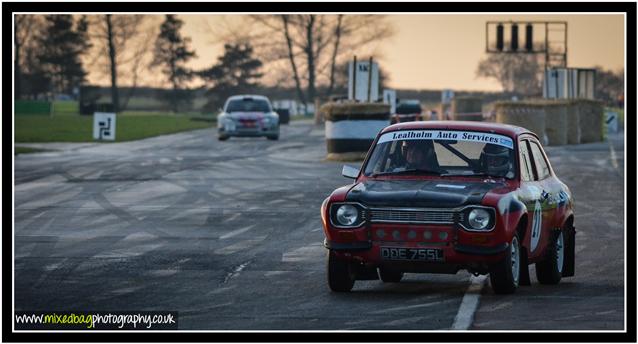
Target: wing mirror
(350,172)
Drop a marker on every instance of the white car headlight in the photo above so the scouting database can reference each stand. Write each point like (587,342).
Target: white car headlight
(479,218)
(347,215)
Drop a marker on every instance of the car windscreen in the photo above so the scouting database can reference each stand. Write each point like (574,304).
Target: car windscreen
(406,109)
(248,105)
(442,152)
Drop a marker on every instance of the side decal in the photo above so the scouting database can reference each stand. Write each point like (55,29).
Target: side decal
(536,225)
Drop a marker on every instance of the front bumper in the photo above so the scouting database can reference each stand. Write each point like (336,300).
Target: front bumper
(459,248)
(250,132)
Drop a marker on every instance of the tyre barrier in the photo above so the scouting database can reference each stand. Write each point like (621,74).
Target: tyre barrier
(467,109)
(350,128)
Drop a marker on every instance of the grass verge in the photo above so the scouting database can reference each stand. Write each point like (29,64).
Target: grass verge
(76,128)
(27,150)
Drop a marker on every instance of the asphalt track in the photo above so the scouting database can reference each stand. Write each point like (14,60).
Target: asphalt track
(229,235)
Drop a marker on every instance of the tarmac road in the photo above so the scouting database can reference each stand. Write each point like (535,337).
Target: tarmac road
(229,235)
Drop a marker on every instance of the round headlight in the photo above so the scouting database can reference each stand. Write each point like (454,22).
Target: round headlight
(347,215)
(479,218)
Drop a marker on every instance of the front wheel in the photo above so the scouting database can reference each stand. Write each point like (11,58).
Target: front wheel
(550,270)
(505,275)
(273,137)
(340,276)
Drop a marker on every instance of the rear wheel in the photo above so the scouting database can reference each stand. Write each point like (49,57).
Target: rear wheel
(340,276)
(273,137)
(505,275)
(222,137)
(550,270)
(390,276)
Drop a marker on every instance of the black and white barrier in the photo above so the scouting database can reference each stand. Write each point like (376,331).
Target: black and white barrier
(350,128)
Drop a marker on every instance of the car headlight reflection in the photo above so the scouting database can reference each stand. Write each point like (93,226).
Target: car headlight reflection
(479,218)
(347,215)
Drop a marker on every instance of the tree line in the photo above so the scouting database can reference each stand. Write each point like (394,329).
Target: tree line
(307,52)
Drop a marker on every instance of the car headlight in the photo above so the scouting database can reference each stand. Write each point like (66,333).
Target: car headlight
(346,215)
(478,218)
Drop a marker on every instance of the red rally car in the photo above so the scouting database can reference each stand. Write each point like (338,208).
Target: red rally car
(439,197)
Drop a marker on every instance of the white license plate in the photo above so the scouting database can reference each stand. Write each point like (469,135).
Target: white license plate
(412,254)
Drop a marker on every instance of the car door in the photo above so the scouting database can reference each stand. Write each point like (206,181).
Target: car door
(530,193)
(548,193)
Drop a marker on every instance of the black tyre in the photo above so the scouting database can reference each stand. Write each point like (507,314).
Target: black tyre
(390,276)
(550,269)
(275,137)
(222,137)
(340,276)
(505,275)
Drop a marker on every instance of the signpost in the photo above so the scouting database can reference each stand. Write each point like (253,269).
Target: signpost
(390,97)
(363,80)
(447,96)
(104,126)
(569,83)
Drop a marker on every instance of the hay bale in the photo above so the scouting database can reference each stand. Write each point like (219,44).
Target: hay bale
(355,111)
(591,120)
(573,125)
(467,109)
(346,157)
(529,115)
(556,122)
(352,127)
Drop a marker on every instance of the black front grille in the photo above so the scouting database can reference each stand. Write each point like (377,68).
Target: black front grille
(399,215)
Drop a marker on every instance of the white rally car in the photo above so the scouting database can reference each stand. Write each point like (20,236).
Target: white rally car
(248,115)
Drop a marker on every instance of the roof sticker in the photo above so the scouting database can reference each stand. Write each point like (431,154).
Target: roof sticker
(451,135)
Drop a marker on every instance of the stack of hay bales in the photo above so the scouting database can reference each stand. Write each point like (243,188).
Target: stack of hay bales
(573,122)
(591,120)
(526,114)
(352,127)
(556,122)
(467,109)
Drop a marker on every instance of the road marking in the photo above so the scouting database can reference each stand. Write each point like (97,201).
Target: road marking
(614,159)
(465,315)
(236,271)
(236,232)
(422,305)
(242,245)
(234,216)
(305,253)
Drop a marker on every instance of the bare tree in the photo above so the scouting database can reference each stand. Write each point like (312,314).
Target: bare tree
(308,48)
(122,47)
(30,78)
(519,73)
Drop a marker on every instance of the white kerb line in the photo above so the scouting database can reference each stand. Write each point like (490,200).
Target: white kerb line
(614,159)
(465,315)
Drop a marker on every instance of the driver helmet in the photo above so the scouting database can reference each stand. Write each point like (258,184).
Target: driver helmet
(495,159)
(426,147)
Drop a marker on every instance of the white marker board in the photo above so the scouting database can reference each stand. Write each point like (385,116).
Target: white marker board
(104,126)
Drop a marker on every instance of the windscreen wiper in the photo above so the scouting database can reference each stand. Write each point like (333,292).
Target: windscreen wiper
(479,174)
(408,171)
